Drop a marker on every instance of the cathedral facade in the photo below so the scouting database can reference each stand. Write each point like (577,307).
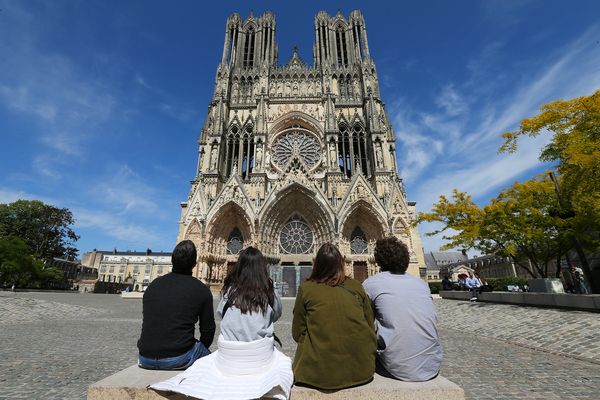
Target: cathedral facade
(291,156)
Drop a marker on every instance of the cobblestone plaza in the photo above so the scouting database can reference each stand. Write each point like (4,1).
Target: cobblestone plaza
(55,345)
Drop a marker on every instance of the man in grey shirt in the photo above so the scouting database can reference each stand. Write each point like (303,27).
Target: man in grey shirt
(408,346)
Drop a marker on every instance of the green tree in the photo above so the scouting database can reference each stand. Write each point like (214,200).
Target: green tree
(575,148)
(44,228)
(19,267)
(518,223)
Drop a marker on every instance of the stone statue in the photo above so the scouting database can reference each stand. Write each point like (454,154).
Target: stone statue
(379,156)
(213,158)
(332,154)
(259,154)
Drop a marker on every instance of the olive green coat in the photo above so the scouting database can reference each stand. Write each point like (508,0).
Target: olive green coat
(335,332)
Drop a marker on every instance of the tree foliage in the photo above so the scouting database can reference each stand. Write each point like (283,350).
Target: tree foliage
(19,267)
(575,148)
(518,223)
(45,229)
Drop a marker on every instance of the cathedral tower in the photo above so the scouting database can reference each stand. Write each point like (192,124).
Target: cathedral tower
(294,155)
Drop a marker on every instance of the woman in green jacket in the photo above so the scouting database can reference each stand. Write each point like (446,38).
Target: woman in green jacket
(334,327)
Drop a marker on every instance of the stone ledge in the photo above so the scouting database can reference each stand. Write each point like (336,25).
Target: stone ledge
(131,383)
(132,295)
(582,302)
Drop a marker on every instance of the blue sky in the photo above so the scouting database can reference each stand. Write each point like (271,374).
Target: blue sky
(101,102)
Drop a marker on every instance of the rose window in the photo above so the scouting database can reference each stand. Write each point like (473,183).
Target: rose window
(296,237)
(293,145)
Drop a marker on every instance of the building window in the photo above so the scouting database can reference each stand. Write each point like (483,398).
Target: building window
(358,241)
(136,269)
(296,237)
(159,270)
(122,269)
(294,145)
(148,268)
(111,270)
(235,243)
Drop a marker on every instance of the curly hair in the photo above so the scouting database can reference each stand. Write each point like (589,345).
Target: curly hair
(392,255)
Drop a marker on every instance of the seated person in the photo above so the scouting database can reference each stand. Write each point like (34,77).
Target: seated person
(447,283)
(474,285)
(246,364)
(172,306)
(408,346)
(334,327)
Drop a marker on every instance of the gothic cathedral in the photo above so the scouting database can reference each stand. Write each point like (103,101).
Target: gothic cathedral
(294,155)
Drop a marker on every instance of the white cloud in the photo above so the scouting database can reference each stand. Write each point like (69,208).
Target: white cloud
(452,102)
(116,227)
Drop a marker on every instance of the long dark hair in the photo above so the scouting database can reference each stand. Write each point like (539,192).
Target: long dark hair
(328,266)
(248,286)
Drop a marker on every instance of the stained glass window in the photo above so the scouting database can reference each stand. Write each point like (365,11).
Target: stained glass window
(296,144)
(235,243)
(296,237)
(358,241)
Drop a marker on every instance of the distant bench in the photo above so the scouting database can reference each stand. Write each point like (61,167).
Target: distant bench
(131,383)
(583,302)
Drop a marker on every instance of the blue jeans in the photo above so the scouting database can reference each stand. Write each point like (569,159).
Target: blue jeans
(174,363)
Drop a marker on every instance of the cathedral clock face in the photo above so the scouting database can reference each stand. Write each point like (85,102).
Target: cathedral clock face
(296,145)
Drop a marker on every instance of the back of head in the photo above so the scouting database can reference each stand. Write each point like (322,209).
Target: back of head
(184,257)
(328,266)
(248,285)
(392,255)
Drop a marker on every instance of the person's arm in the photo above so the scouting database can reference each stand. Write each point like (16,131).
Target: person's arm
(207,322)
(368,307)
(299,319)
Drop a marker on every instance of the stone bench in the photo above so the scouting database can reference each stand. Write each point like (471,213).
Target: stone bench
(131,383)
(583,302)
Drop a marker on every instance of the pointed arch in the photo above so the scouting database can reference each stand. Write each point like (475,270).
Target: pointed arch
(221,224)
(194,233)
(278,210)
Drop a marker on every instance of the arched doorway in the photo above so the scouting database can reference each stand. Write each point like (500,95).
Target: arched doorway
(230,230)
(361,228)
(293,226)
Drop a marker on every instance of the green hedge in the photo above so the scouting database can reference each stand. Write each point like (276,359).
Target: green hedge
(500,284)
(435,287)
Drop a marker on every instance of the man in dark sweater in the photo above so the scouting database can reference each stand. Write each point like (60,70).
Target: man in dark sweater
(172,305)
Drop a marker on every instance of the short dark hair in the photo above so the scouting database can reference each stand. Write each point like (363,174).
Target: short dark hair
(392,255)
(328,266)
(184,256)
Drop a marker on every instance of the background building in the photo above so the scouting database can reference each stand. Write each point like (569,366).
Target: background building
(132,267)
(436,260)
(294,155)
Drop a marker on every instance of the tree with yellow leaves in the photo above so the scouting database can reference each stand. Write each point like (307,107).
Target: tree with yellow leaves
(575,147)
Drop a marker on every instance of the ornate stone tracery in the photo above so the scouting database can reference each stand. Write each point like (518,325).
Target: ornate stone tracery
(295,144)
